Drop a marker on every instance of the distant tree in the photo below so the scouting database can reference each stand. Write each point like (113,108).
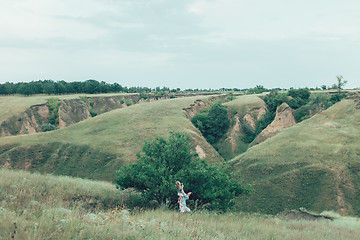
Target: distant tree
(49,87)
(92,86)
(323,87)
(26,89)
(299,97)
(257,89)
(230,96)
(340,82)
(60,87)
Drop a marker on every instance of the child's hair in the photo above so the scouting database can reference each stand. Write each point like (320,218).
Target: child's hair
(178,185)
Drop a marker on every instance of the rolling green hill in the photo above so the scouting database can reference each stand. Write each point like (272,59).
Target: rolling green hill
(97,147)
(314,164)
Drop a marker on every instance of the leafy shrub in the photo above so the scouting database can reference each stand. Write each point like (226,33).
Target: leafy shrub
(128,102)
(143,96)
(317,102)
(214,123)
(200,122)
(321,100)
(164,161)
(275,99)
(53,104)
(93,113)
(301,93)
(337,97)
(263,122)
(301,114)
(121,101)
(171,96)
(230,96)
(48,127)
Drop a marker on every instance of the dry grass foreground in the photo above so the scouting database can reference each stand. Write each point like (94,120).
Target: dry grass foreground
(34,206)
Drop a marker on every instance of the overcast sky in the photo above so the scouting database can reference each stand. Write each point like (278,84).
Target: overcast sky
(182,43)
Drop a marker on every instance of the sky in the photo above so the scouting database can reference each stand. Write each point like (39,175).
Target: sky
(182,43)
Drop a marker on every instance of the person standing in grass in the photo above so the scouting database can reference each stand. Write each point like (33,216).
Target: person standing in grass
(182,198)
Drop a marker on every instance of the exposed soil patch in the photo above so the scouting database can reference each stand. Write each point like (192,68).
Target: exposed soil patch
(284,118)
(302,215)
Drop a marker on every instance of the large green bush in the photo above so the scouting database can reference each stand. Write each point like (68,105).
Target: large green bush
(164,161)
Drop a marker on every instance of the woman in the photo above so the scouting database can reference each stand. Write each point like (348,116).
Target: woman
(182,198)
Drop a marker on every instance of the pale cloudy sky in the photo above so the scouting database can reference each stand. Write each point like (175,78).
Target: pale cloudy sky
(182,43)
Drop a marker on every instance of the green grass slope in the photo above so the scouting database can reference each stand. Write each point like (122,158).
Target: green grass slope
(99,146)
(34,206)
(243,104)
(314,164)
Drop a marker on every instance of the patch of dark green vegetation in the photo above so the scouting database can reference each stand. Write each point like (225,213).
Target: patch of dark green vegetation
(93,113)
(53,104)
(128,102)
(48,127)
(213,123)
(143,95)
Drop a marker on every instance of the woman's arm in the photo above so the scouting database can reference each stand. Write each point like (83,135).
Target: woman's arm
(182,189)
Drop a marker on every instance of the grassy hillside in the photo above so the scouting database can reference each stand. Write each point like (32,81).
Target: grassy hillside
(34,206)
(243,104)
(97,147)
(314,164)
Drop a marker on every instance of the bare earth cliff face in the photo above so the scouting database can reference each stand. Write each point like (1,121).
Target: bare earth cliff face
(235,132)
(284,118)
(70,111)
(29,121)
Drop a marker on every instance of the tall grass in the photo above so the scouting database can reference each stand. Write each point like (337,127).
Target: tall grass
(34,206)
